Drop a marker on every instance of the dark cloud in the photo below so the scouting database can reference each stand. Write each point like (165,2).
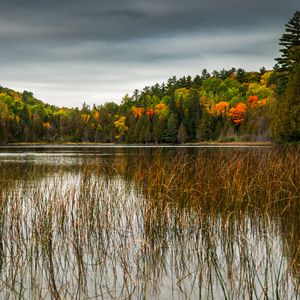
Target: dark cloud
(95,50)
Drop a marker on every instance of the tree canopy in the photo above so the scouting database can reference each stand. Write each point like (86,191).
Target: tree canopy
(206,107)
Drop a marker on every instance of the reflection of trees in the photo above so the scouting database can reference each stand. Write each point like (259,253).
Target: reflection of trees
(187,222)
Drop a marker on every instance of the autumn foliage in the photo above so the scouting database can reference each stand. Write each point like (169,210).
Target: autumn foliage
(137,111)
(160,107)
(150,112)
(220,108)
(181,110)
(237,113)
(252,101)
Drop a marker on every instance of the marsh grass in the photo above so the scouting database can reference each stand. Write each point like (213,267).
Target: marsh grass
(183,224)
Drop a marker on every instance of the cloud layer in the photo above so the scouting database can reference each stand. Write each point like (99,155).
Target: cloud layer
(68,52)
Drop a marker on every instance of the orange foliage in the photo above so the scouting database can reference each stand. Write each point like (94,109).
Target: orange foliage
(263,102)
(150,112)
(137,111)
(237,113)
(252,101)
(220,108)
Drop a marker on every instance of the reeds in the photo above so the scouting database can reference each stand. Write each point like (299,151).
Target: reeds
(180,224)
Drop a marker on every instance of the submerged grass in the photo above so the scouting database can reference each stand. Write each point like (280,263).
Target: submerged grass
(180,224)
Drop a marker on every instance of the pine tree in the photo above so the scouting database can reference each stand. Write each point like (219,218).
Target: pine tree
(182,135)
(194,112)
(286,125)
(204,128)
(159,127)
(171,132)
(143,130)
(290,41)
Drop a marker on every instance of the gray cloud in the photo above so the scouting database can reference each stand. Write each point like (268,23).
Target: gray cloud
(68,52)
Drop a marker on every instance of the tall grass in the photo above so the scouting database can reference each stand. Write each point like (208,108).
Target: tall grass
(180,224)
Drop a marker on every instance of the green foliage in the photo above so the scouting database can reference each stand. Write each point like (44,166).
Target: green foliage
(259,90)
(289,40)
(287,122)
(171,131)
(204,129)
(142,131)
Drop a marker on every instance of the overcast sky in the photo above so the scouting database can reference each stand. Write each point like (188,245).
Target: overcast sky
(70,51)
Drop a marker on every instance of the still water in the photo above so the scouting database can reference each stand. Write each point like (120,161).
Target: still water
(149,223)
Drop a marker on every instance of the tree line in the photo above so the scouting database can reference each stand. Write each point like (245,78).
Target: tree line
(222,105)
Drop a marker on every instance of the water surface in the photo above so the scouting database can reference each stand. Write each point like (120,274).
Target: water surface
(149,223)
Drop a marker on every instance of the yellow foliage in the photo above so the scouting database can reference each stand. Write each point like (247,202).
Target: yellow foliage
(47,125)
(121,127)
(85,117)
(160,107)
(265,78)
(96,115)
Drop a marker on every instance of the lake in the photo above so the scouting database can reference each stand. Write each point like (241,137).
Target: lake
(149,222)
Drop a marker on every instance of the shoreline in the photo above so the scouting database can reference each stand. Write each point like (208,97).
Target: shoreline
(120,145)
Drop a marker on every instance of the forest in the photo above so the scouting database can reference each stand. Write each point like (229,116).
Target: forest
(223,106)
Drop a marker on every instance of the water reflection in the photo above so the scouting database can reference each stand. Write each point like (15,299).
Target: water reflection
(147,223)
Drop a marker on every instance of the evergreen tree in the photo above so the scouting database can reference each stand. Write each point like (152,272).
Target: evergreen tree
(159,127)
(205,74)
(26,122)
(241,75)
(204,128)
(290,40)
(171,132)
(131,126)
(143,130)
(182,135)
(197,81)
(287,119)
(194,112)
(147,133)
